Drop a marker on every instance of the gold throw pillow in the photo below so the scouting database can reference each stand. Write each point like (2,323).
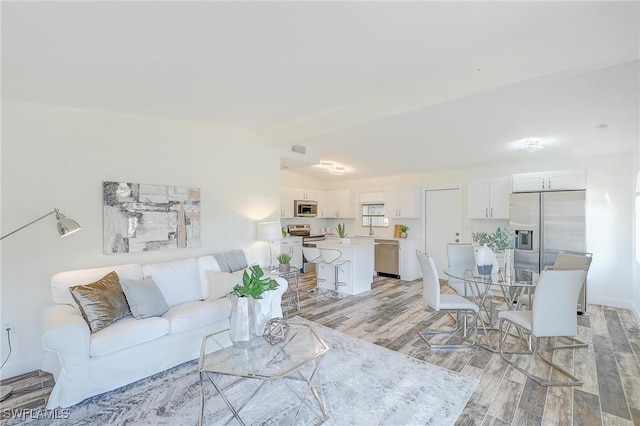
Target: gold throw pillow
(101,302)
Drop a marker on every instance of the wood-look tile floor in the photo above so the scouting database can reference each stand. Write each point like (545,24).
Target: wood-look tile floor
(392,314)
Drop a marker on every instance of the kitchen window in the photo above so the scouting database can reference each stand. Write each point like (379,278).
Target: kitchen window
(373,215)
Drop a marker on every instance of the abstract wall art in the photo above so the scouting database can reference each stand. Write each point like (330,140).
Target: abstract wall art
(139,217)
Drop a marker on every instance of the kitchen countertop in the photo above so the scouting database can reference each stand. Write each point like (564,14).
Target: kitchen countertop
(339,244)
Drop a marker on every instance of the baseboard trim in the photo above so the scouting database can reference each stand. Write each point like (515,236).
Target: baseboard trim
(21,367)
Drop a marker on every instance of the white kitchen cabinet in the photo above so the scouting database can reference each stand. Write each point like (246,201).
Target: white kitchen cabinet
(549,181)
(323,208)
(402,202)
(286,203)
(292,246)
(341,204)
(488,198)
(305,194)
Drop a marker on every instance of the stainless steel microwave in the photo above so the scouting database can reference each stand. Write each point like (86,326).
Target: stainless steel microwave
(305,208)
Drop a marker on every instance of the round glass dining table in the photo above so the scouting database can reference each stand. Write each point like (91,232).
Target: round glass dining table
(511,285)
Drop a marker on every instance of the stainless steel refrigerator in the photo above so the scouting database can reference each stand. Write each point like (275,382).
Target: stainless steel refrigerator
(545,223)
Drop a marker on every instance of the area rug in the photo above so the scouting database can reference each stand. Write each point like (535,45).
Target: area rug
(360,383)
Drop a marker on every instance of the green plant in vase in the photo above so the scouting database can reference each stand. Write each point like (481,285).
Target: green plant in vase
(342,230)
(284,259)
(254,283)
(403,231)
(497,241)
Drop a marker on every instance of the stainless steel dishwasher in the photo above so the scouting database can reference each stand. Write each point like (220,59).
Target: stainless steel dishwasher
(388,257)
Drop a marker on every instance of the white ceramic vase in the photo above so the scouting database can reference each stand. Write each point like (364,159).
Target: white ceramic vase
(243,324)
(485,258)
(261,311)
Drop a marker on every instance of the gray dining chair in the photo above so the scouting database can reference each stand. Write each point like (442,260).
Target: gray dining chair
(451,303)
(553,315)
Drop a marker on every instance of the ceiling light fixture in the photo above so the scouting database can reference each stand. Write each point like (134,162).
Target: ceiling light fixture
(532,145)
(332,168)
(337,170)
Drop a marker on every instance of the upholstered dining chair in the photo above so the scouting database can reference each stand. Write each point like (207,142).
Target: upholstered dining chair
(553,314)
(565,260)
(451,303)
(460,255)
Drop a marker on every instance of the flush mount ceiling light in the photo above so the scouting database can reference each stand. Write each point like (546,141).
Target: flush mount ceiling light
(332,168)
(532,145)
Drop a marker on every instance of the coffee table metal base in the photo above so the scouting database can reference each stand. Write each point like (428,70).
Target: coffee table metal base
(293,363)
(236,411)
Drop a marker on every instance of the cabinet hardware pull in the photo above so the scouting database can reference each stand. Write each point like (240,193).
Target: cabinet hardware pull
(486,212)
(491,211)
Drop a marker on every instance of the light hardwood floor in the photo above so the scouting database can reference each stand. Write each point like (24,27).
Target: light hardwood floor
(392,314)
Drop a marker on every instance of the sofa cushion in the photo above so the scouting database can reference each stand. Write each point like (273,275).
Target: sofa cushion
(61,281)
(126,333)
(191,315)
(178,281)
(220,284)
(144,297)
(101,302)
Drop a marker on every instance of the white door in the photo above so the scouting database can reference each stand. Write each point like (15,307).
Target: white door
(443,224)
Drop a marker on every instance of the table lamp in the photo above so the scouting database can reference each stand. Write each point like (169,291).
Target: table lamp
(271,232)
(66,226)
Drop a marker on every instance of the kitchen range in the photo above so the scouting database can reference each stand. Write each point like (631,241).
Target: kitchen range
(308,240)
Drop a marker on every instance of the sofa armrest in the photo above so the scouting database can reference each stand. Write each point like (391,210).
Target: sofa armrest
(65,331)
(66,334)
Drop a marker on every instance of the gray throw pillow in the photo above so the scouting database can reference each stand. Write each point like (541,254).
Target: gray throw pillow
(144,297)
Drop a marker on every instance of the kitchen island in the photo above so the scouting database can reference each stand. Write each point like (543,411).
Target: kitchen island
(356,275)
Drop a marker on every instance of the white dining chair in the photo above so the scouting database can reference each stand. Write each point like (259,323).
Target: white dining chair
(565,260)
(461,255)
(553,314)
(445,302)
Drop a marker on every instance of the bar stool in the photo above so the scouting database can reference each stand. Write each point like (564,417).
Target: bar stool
(312,255)
(333,257)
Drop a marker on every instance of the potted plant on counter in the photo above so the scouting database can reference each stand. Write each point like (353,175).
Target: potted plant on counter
(284,260)
(247,316)
(342,233)
(403,231)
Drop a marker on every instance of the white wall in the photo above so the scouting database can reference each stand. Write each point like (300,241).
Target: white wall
(59,157)
(612,278)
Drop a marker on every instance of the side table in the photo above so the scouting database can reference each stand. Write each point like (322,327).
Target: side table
(292,275)
(293,279)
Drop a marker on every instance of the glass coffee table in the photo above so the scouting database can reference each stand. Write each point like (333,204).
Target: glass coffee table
(303,347)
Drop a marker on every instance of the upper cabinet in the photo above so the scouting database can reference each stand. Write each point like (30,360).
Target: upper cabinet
(305,194)
(402,201)
(323,208)
(286,203)
(340,204)
(489,198)
(549,181)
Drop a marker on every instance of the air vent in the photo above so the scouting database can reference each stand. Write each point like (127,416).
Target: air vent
(299,149)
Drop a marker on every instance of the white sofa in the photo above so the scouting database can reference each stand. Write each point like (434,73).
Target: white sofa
(85,364)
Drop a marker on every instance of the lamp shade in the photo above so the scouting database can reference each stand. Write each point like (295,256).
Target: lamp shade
(269,231)
(66,226)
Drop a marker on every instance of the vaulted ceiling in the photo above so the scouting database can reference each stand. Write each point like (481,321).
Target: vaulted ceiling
(446,84)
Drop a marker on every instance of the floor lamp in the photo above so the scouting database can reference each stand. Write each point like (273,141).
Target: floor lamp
(66,226)
(272,232)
